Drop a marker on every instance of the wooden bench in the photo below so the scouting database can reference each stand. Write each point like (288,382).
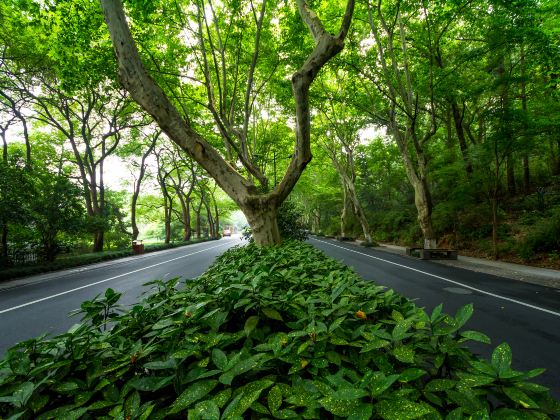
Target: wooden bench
(432,254)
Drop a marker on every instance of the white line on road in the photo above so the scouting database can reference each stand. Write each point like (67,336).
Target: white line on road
(106,280)
(528,305)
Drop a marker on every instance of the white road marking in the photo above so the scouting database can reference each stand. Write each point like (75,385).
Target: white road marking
(528,305)
(106,280)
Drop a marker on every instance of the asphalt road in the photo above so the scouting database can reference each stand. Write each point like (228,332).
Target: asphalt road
(526,316)
(41,304)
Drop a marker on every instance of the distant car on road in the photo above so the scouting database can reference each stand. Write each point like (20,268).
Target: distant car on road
(227,232)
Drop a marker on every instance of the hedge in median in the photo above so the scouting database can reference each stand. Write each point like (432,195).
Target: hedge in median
(280,332)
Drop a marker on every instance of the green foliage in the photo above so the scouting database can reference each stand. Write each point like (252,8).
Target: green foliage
(56,207)
(544,237)
(290,221)
(64,262)
(281,332)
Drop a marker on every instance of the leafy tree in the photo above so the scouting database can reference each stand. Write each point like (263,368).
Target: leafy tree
(259,207)
(56,207)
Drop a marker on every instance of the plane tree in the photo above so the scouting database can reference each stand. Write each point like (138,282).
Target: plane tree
(340,139)
(204,27)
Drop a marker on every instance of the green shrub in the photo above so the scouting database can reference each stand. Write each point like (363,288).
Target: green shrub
(85,259)
(290,224)
(545,237)
(281,332)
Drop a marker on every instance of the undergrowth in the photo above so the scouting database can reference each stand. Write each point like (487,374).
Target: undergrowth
(280,332)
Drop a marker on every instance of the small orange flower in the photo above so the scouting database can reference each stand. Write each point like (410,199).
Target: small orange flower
(361,314)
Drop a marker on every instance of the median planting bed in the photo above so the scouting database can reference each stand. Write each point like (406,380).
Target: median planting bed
(281,332)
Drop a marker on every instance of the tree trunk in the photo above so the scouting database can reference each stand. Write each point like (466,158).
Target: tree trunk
(557,160)
(147,93)
(495,226)
(264,225)
(423,201)
(217,219)
(4,147)
(98,240)
(344,213)
(198,222)
(526,174)
(187,231)
(510,175)
(167,209)
(135,231)
(4,259)
(458,120)
(422,195)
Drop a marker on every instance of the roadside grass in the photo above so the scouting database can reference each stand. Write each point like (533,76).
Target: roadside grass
(70,261)
(280,332)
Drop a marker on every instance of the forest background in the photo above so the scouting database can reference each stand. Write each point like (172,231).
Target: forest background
(438,124)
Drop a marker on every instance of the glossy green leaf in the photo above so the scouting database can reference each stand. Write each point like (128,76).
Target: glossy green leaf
(272,314)
(501,358)
(193,393)
(399,409)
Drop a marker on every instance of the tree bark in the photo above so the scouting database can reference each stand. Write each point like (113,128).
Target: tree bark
(510,174)
(137,184)
(98,240)
(495,226)
(4,243)
(187,231)
(4,146)
(395,72)
(526,174)
(344,212)
(556,169)
(151,97)
(264,225)
(458,120)
(168,211)
(135,231)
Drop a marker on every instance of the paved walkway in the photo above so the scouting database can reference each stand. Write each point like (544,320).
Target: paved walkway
(535,275)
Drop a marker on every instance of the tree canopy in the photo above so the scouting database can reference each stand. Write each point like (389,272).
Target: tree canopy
(419,115)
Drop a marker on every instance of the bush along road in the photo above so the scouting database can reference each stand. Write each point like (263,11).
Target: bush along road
(281,332)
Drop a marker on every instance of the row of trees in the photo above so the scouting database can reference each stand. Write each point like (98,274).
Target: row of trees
(467,95)
(463,93)
(43,209)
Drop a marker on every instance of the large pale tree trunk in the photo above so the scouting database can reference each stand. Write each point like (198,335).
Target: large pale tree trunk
(264,224)
(151,97)
(416,174)
(406,134)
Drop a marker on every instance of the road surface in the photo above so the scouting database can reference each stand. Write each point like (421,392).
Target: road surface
(42,306)
(526,316)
